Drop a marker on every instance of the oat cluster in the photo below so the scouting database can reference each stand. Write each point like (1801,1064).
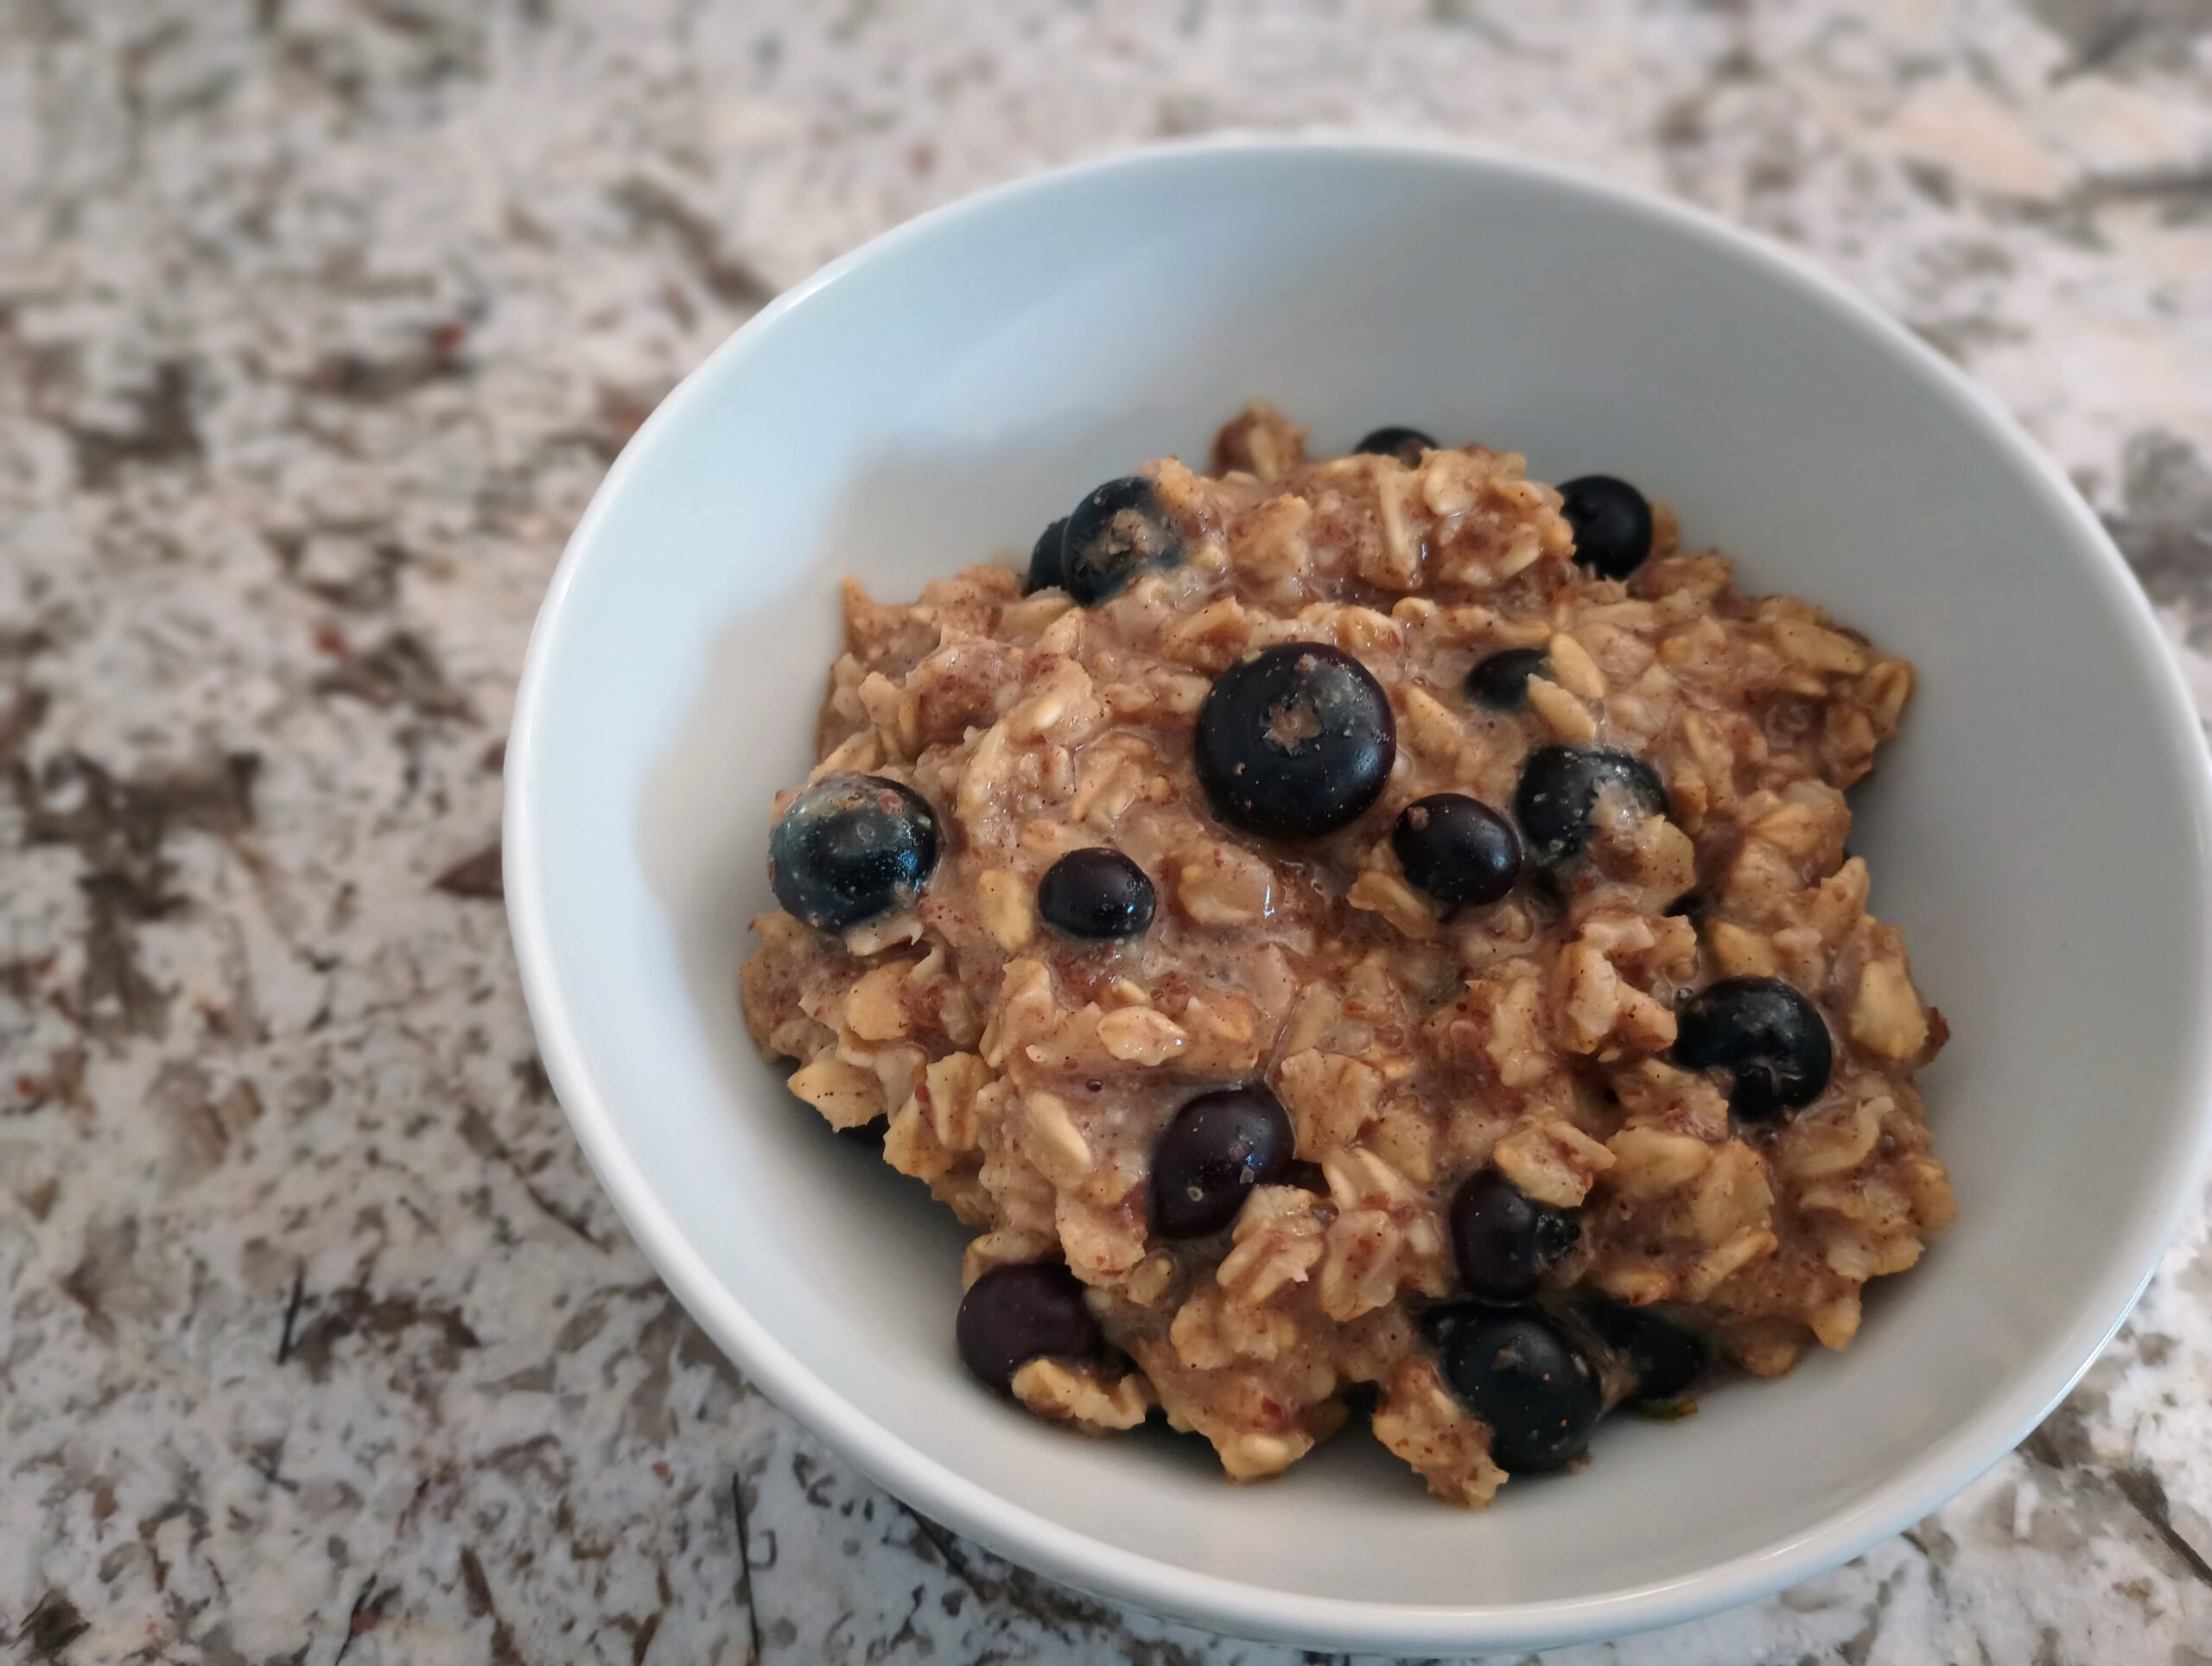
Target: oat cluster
(1025,1076)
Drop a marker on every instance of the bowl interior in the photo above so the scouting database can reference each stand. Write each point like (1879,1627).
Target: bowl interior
(2037,831)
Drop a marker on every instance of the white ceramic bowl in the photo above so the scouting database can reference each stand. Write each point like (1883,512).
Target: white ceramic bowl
(2040,831)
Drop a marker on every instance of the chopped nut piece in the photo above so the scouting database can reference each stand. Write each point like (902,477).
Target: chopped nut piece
(1249,1457)
(875,1010)
(847,1096)
(1738,953)
(1885,1014)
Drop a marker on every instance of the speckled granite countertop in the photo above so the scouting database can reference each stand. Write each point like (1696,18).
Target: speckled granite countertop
(319,321)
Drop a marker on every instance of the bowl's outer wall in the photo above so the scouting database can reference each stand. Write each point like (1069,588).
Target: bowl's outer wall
(2039,832)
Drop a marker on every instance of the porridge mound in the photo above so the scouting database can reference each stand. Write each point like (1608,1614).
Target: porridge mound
(1374,921)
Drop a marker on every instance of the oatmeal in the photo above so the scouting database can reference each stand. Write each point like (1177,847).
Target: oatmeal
(1380,920)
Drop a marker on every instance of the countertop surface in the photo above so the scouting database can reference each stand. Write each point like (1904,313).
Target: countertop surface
(319,321)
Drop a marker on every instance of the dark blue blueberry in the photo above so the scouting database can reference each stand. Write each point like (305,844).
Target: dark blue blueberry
(1458,850)
(1523,1376)
(1503,1240)
(1218,1146)
(1113,535)
(1024,1311)
(1560,790)
(1294,742)
(1501,682)
(1769,1039)
(1096,893)
(852,847)
(1044,558)
(1406,444)
(1663,1358)
(1612,522)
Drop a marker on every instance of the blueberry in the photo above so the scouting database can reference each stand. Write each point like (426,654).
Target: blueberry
(1538,1392)
(1294,742)
(1612,523)
(1044,558)
(1771,1041)
(1458,850)
(1504,1240)
(1218,1146)
(1663,1358)
(1501,682)
(1096,893)
(1114,534)
(852,847)
(1406,444)
(1562,788)
(1020,1311)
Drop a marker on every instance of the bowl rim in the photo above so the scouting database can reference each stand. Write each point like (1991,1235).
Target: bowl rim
(1218,1602)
